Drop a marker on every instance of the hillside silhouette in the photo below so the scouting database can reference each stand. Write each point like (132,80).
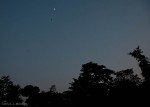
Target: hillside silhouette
(96,85)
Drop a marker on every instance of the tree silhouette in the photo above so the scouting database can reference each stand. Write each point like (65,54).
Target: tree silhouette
(143,61)
(49,98)
(13,95)
(125,86)
(94,81)
(30,90)
(53,89)
(127,75)
(96,85)
(9,93)
(32,93)
(5,83)
(144,64)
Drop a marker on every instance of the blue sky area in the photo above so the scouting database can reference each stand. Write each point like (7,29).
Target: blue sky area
(45,42)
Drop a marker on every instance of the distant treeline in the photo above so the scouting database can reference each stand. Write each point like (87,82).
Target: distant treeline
(96,85)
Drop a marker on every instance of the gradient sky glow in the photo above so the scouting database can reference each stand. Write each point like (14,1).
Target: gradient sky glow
(35,50)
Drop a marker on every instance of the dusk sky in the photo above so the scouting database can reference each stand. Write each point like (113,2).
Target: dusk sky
(45,42)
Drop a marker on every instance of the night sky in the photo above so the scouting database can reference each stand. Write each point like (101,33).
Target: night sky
(45,42)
